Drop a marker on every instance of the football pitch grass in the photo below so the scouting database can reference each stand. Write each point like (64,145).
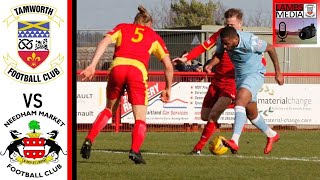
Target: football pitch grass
(295,156)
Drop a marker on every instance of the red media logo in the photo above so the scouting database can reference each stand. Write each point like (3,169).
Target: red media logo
(295,23)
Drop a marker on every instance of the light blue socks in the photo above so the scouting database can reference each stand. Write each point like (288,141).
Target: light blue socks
(239,122)
(263,126)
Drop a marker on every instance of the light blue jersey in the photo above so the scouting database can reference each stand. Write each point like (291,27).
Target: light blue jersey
(247,61)
(246,57)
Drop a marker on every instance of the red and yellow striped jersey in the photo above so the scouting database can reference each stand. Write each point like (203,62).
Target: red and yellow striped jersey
(137,42)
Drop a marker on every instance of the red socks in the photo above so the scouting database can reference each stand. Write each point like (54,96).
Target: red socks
(138,135)
(99,124)
(208,130)
(138,132)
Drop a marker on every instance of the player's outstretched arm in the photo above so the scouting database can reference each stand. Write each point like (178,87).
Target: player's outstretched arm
(182,58)
(168,71)
(274,58)
(90,70)
(195,52)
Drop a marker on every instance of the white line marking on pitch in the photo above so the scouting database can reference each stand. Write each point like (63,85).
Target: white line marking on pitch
(307,159)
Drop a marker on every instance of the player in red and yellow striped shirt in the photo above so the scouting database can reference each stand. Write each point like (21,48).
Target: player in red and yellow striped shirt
(134,45)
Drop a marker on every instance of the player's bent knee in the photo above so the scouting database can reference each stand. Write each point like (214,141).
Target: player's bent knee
(204,119)
(214,115)
(204,116)
(112,105)
(205,112)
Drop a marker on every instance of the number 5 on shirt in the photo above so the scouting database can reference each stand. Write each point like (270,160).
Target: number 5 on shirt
(139,34)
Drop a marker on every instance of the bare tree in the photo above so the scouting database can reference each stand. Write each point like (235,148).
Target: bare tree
(183,13)
(259,19)
(219,14)
(162,15)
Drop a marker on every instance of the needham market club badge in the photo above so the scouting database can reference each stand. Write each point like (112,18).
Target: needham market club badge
(35,147)
(34,61)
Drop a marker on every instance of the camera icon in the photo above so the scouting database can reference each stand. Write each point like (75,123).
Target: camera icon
(307,32)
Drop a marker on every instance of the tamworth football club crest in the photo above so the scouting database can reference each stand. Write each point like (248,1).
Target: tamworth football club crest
(37,60)
(33,42)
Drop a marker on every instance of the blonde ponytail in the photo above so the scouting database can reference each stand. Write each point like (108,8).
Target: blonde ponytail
(142,10)
(142,16)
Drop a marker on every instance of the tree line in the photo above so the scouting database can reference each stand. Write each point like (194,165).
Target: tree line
(184,13)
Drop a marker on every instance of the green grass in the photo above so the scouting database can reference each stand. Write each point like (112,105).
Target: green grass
(295,156)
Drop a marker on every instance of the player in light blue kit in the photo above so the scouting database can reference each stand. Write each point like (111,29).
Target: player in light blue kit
(245,50)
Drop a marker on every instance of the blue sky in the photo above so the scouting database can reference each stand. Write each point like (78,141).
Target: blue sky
(105,14)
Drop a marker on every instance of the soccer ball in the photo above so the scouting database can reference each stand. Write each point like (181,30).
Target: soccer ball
(216,146)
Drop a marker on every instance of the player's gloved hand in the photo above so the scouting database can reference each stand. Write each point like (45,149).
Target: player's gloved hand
(88,72)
